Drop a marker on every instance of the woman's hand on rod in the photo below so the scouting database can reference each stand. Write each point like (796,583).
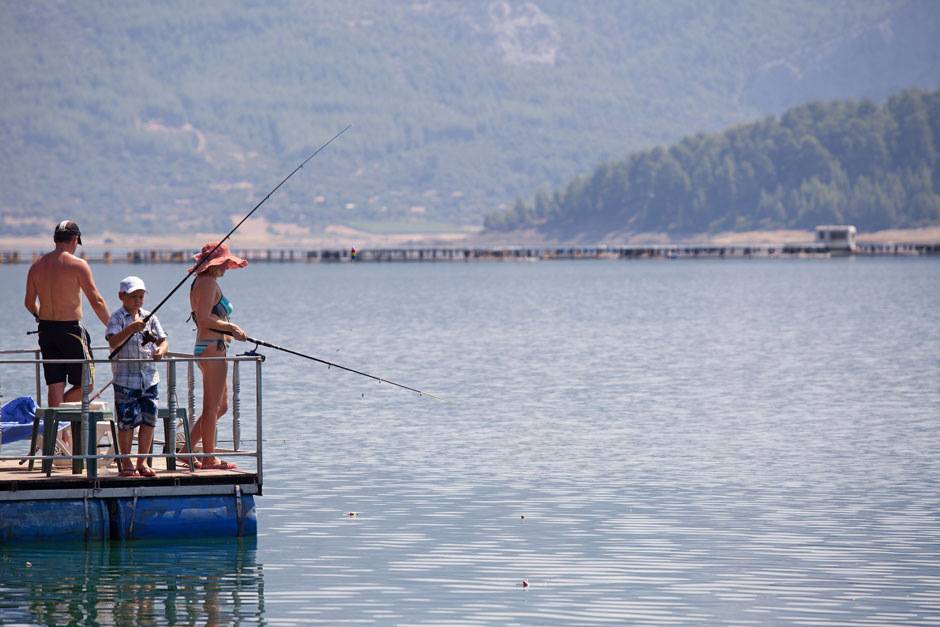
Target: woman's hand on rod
(237,332)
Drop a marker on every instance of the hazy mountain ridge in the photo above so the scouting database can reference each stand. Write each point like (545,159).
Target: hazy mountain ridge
(147,117)
(820,163)
(831,70)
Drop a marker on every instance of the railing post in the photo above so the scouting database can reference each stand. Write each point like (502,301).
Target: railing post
(258,455)
(236,406)
(190,391)
(170,426)
(188,417)
(39,402)
(90,426)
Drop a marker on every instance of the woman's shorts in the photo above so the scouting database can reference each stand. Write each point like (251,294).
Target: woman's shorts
(136,407)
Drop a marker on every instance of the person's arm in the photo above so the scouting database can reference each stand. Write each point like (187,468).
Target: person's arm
(32,294)
(161,347)
(237,332)
(116,339)
(87,284)
(160,344)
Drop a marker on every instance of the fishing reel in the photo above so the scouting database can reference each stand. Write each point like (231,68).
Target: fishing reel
(253,352)
(146,337)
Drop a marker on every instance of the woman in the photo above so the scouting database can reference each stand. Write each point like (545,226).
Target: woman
(211,311)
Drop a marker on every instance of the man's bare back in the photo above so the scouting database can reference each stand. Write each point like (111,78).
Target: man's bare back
(57,280)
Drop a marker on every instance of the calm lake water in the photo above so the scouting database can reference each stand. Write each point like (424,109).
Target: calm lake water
(684,442)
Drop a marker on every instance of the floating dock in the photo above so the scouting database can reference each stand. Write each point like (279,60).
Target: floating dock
(82,497)
(174,504)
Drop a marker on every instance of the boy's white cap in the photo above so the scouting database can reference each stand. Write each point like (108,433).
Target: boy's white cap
(131,284)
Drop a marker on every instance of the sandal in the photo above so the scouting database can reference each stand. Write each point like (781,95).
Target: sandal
(182,457)
(146,471)
(127,472)
(197,465)
(222,465)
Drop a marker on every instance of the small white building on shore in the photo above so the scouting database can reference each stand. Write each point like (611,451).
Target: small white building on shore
(838,237)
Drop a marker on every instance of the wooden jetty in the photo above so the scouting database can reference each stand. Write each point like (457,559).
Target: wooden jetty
(504,253)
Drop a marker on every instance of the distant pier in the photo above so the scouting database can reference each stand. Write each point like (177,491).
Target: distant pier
(501,253)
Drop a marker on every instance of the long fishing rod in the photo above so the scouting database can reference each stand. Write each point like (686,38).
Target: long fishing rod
(206,258)
(258,342)
(101,391)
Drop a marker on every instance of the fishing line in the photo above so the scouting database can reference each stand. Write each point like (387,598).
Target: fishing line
(329,364)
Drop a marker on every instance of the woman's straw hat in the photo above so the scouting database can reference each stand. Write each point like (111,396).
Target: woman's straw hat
(221,257)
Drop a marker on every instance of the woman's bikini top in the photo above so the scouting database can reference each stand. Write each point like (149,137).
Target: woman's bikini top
(222,309)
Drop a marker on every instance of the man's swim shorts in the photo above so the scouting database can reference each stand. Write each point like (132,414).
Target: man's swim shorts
(64,340)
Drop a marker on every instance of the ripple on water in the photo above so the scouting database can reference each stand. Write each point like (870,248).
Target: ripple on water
(690,443)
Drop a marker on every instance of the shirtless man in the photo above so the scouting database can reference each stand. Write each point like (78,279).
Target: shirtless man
(57,280)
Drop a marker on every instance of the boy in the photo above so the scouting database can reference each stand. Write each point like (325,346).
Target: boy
(135,384)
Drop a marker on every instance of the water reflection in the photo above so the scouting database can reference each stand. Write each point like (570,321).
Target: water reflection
(210,582)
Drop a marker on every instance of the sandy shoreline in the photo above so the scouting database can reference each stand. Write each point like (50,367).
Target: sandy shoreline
(260,235)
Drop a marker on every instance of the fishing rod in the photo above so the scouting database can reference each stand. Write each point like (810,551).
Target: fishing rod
(205,258)
(101,391)
(258,342)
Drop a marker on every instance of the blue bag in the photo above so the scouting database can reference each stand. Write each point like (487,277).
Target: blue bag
(16,419)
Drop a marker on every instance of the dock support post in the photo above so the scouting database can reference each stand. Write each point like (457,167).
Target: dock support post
(170,435)
(39,402)
(188,417)
(236,407)
(190,390)
(259,457)
(90,426)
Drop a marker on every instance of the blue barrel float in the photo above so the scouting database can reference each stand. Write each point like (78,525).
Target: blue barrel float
(175,517)
(153,517)
(59,519)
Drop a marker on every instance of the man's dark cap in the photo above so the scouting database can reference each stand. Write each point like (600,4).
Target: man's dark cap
(66,230)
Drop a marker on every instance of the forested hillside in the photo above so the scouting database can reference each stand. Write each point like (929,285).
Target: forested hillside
(837,162)
(155,116)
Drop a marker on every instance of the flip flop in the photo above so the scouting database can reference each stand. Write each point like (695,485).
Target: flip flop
(128,472)
(185,461)
(222,465)
(146,471)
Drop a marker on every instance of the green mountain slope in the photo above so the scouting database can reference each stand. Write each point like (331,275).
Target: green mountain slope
(148,117)
(838,162)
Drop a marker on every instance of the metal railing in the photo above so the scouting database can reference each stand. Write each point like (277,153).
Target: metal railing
(89,427)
